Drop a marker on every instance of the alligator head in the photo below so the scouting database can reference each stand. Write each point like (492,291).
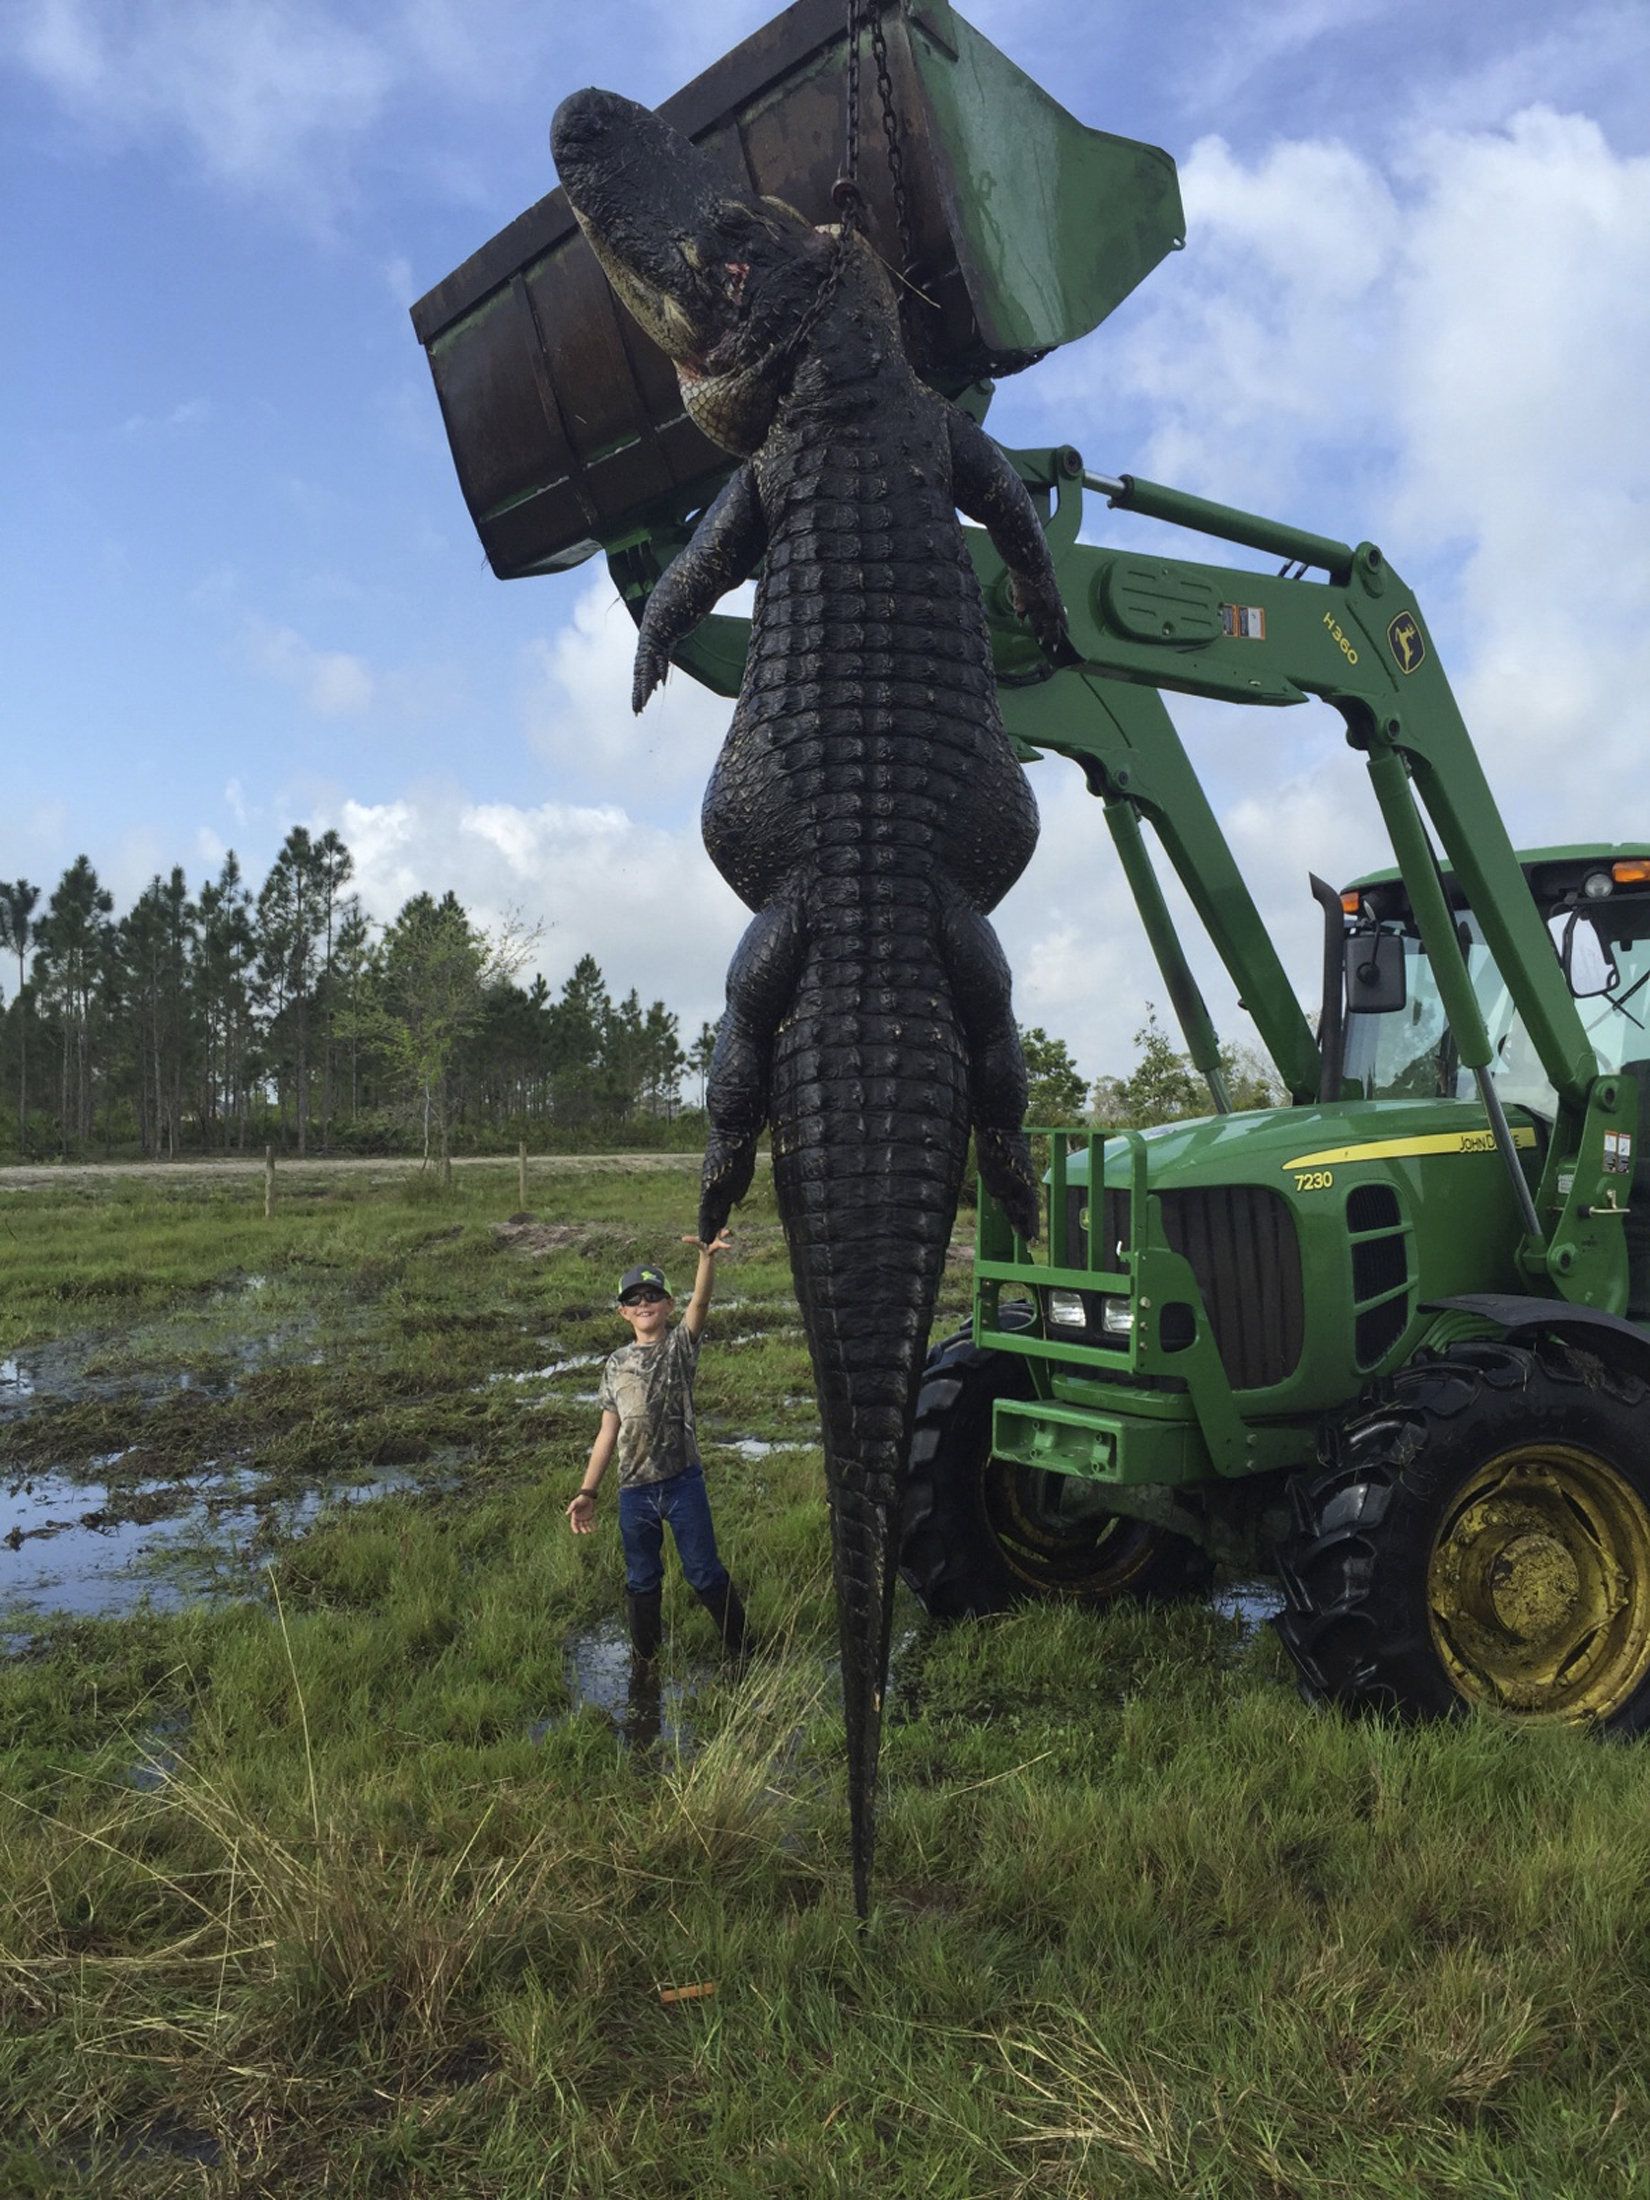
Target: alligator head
(718,278)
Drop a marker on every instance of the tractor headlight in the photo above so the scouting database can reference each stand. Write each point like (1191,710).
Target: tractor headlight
(1117,1317)
(1066,1310)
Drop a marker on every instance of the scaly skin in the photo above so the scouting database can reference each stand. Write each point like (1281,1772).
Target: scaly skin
(866,804)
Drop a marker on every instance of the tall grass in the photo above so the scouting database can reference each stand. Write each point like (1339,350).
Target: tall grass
(345,1890)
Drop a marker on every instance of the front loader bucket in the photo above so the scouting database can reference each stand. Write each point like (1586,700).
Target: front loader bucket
(565,422)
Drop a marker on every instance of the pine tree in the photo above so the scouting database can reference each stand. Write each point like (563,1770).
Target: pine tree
(17,906)
(73,951)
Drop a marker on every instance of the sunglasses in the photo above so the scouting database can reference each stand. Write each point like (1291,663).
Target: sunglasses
(642,1298)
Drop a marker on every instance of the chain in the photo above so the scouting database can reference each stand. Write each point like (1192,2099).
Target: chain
(846,195)
(892,132)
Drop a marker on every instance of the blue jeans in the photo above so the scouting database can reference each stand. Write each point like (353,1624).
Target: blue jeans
(643,1511)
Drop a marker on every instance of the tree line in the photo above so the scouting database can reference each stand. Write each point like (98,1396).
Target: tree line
(226,1019)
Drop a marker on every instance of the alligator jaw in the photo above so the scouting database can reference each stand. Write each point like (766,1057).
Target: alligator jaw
(715,278)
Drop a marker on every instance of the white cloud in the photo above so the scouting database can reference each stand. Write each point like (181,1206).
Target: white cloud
(332,682)
(1254,358)
(1446,356)
(404,286)
(576,706)
(255,87)
(188,414)
(643,900)
(1525,321)
(286,99)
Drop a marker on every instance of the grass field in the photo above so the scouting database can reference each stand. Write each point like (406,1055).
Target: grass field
(343,1880)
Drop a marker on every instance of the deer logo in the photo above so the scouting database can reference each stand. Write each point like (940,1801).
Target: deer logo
(1404,640)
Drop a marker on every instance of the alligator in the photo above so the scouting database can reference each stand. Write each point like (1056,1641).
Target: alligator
(867,804)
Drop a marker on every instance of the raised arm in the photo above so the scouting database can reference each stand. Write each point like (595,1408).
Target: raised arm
(722,552)
(704,1283)
(988,489)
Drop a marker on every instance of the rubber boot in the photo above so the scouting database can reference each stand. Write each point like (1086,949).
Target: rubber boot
(724,1606)
(644,1707)
(647,1624)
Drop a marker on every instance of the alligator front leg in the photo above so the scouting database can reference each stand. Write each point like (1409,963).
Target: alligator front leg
(722,552)
(989,490)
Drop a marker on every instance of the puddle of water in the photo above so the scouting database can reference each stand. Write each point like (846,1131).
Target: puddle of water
(1252,1603)
(159,1752)
(72,1370)
(759,1447)
(597,1667)
(16,1382)
(70,1549)
(66,1551)
(577,1362)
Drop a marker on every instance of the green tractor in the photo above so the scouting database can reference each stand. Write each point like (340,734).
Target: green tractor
(1389,1340)
(1322,1342)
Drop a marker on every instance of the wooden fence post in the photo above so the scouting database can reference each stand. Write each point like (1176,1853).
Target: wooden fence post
(269,1182)
(521,1173)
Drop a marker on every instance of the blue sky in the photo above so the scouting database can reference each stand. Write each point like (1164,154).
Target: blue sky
(241,590)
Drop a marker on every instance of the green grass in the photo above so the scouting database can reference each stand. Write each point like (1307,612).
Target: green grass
(339,1890)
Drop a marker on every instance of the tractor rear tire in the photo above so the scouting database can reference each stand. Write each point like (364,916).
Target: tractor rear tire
(1479,1536)
(982,1533)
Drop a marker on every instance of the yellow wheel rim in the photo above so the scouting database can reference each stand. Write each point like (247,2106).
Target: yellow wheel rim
(1538,1587)
(1095,1555)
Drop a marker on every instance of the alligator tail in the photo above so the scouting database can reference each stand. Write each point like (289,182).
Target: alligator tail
(866,1039)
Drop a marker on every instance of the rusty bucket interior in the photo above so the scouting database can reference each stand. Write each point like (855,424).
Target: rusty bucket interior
(1028,228)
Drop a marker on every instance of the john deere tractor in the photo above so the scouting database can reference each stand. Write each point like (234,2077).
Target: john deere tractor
(1387,1343)
(1389,1340)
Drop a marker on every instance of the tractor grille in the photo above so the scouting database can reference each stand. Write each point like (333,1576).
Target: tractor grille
(1239,1242)
(1114,1227)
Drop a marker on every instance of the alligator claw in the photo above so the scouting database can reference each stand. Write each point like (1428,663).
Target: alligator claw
(651,667)
(1036,599)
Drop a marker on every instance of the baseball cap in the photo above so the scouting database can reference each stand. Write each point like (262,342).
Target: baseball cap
(635,1279)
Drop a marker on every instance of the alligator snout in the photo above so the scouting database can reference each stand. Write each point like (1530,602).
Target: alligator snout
(585,123)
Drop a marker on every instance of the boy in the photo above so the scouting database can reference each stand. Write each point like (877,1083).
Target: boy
(647,1420)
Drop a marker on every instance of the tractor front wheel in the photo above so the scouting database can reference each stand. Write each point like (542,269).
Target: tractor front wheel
(982,1533)
(1481,1537)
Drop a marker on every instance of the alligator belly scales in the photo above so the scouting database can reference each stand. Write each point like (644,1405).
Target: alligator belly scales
(866,805)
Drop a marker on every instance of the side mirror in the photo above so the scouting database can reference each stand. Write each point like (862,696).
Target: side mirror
(1375,979)
(1588,963)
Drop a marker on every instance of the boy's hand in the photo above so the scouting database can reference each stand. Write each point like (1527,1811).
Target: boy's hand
(722,1242)
(581,1514)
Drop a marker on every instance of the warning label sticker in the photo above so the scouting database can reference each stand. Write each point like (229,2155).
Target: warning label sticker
(1243,622)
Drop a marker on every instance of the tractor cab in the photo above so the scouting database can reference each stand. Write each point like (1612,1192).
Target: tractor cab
(1596,902)
(1596,905)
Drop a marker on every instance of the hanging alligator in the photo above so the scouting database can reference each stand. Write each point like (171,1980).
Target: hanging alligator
(866,804)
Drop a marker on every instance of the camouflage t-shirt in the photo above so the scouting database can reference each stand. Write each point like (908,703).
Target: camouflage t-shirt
(650,1388)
